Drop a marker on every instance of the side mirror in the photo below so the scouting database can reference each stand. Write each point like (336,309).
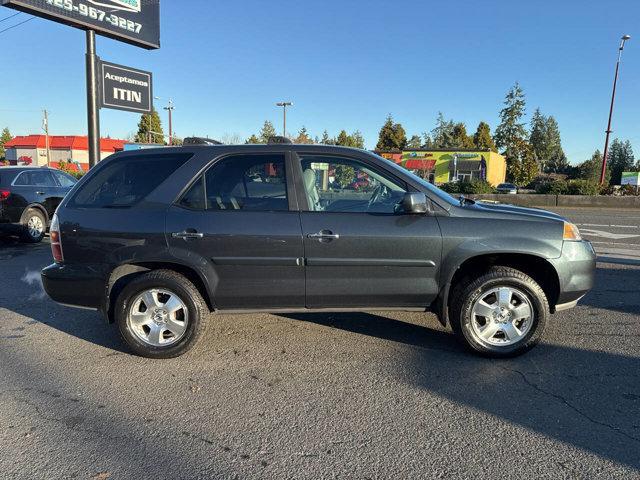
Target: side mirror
(415,202)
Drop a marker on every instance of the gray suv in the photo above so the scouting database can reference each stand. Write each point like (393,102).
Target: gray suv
(158,239)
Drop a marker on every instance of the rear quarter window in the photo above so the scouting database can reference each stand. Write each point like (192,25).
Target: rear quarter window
(127,180)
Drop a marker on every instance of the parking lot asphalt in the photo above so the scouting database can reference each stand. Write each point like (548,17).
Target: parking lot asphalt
(358,395)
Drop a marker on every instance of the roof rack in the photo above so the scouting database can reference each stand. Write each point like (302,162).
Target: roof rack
(278,140)
(200,141)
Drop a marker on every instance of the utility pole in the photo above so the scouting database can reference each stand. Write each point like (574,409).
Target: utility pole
(613,98)
(93,110)
(45,127)
(170,109)
(284,106)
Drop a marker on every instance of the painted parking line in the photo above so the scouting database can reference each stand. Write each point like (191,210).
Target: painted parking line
(612,226)
(603,234)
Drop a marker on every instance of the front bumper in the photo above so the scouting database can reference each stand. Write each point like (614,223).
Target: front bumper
(74,285)
(576,269)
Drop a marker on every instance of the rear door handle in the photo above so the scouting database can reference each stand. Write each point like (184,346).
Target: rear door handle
(186,235)
(324,236)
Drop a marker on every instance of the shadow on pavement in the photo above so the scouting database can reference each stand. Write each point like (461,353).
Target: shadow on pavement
(588,399)
(617,289)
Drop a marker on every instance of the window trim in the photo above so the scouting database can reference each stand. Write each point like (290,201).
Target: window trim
(304,202)
(289,175)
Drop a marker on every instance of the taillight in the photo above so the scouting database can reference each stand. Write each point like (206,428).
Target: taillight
(4,194)
(56,240)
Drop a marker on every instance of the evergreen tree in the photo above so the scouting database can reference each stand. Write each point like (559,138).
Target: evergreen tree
(511,131)
(546,143)
(591,169)
(326,139)
(268,131)
(442,135)
(252,140)
(5,136)
(150,129)
(459,137)
(357,139)
(392,136)
(620,159)
(414,143)
(343,139)
(482,139)
(303,137)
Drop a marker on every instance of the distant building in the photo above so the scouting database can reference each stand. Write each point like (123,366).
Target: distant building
(443,166)
(32,150)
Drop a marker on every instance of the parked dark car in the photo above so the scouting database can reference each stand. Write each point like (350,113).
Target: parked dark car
(158,239)
(29,197)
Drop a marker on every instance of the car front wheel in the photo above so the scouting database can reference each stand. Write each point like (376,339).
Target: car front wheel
(501,313)
(160,314)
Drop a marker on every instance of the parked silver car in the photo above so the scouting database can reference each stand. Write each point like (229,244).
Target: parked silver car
(507,188)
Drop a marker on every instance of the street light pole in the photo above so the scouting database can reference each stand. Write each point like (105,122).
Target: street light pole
(284,106)
(170,109)
(613,98)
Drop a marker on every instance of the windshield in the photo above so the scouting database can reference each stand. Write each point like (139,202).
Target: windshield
(441,194)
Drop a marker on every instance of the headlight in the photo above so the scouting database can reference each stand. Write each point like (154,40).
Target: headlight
(571,232)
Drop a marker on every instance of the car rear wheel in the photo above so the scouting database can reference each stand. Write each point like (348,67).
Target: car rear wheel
(501,313)
(160,314)
(34,226)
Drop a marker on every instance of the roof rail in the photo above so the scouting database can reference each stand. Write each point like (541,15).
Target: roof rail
(278,140)
(200,141)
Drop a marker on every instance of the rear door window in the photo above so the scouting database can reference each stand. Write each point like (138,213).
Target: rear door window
(35,178)
(127,180)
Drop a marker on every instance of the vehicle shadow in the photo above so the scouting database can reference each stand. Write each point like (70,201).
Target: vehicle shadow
(617,289)
(588,399)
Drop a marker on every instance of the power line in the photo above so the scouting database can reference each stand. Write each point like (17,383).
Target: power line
(17,24)
(10,16)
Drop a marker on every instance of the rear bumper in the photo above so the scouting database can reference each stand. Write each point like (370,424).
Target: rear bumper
(576,269)
(74,285)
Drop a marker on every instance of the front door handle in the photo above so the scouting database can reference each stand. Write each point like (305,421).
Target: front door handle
(186,235)
(40,193)
(324,236)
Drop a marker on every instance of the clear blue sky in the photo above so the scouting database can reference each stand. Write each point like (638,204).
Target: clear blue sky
(345,64)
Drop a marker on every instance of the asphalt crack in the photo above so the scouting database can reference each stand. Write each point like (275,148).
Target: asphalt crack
(569,405)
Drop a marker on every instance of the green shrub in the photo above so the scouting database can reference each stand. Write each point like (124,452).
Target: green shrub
(474,187)
(629,190)
(556,187)
(451,187)
(583,187)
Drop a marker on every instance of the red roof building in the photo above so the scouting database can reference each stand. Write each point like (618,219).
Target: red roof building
(32,150)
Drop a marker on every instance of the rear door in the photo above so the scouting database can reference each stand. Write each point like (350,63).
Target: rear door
(37,186)
(360,249)
(240,219)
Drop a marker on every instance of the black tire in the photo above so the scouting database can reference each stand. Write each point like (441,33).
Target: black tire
(470,290)
(167,280)
(27,236)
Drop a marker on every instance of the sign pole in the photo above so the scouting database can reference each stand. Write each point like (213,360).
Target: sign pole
(93,112)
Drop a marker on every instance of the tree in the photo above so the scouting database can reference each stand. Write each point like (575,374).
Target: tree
(252,140)
(521,163)
(392,136)
(355,140)
(150,129)
(546,143)
(482,138)
(268,131)
(414,143)
(326,140)
(5,136)
(592,168)
(620,159)
(511,132)
(459,137)
(303,137)
(344,174)
(441,136)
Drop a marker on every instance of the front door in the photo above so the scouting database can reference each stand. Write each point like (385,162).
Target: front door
(239,219)
(360,249)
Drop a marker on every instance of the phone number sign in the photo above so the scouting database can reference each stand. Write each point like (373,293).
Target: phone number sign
(133,21)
